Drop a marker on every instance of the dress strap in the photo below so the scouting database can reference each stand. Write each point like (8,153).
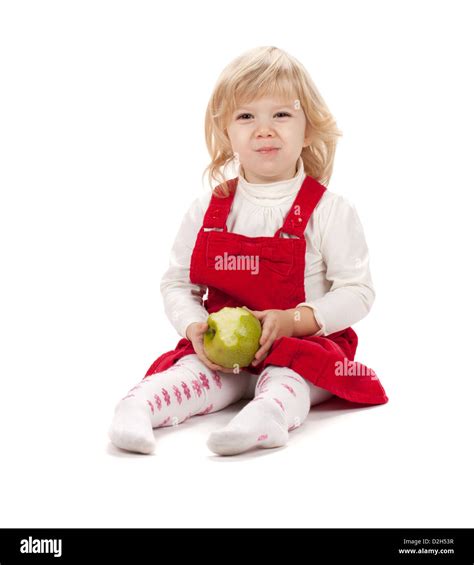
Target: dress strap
(219,208)
(306,200)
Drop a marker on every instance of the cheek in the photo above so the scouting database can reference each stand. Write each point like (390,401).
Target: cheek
(296,137)
(236,139)
(242,145)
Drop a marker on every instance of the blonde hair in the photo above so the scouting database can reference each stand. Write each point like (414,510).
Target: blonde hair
(268,71)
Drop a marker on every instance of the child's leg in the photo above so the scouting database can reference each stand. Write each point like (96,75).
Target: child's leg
(168,398)
(282,402)
(318,394)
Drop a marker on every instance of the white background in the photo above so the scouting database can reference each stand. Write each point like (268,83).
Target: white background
(101,152)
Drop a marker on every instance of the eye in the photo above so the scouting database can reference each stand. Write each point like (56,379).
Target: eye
(241,115)
(283,114)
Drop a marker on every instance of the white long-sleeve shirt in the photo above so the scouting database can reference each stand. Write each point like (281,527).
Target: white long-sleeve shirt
(338,283)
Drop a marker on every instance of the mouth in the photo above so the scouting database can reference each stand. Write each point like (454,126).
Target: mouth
(268,150)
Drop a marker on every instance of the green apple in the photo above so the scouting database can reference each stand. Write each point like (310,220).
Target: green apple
(232,337)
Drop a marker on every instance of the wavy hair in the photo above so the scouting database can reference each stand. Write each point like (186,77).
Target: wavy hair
(268,71)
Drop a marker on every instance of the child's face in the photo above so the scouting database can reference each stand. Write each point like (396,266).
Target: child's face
(268,122)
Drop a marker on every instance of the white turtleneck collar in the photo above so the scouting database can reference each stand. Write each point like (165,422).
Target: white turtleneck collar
(272,193)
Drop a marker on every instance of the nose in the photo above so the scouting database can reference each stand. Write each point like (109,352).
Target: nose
(264,130)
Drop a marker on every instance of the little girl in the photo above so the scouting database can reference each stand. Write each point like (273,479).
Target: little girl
(309,279)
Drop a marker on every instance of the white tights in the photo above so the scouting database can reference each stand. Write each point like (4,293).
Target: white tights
(281,402)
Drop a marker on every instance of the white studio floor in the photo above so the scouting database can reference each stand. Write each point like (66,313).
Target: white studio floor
(347,466)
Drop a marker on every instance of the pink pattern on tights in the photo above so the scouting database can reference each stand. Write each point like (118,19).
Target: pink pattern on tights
(204,381)
(166,396)
(151,407)
(177,393)
(217,379)
(157,401)
(279,402)
(288,387)
(165,421)
(197,387)
(206,410)
(294,378)
(186,390)
(262,437)
(263,379)
(128,396)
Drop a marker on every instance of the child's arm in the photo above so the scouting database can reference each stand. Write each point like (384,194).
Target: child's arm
(183,299)
(345,254)
(351,295)
(293,322)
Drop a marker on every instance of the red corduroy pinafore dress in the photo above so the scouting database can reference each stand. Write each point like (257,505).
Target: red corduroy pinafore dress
(328,361)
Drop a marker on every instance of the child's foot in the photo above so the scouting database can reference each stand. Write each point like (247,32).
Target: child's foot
(131,428)
(261,423)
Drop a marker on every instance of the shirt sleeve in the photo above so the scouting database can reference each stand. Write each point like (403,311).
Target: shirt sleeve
(183,300)
(345,254)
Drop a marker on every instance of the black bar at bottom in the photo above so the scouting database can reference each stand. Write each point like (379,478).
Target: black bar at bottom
(311,545)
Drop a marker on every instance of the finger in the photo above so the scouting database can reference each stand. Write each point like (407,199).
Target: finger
(229,369)
(218,367)
(263,344)
(259,314)
(261,359)
(260,353)
(226,370)
(199,349)
(215,367)
(212,365)
(268,329)
(207,362)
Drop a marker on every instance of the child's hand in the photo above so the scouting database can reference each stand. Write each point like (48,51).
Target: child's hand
(275,324)
(195,333)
